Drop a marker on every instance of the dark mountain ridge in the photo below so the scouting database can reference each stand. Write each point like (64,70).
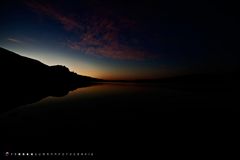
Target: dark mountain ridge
(24,78)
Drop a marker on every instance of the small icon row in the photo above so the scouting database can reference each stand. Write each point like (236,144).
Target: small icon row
(48,154)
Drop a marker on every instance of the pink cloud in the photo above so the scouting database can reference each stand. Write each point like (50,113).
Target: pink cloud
(101,37)
(68,22)
(114,51)
(108,45)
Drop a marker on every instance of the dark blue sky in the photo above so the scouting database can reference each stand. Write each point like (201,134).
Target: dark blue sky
(124,40)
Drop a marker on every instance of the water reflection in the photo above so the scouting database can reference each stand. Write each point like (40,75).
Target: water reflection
(107,96)
(19,97)
(116,95)
(87,111)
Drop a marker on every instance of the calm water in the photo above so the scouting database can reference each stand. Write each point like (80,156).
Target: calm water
(107,108)
(86,107)
(83,103)
(111,96)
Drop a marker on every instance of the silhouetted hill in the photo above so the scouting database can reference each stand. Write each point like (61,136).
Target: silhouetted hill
(27,79)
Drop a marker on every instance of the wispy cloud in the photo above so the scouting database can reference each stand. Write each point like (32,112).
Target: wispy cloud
(99,35)
(102,39)
(14,40)
(115,50)
(68,22)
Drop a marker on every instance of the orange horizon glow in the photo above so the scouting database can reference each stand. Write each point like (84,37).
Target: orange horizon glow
(93,69)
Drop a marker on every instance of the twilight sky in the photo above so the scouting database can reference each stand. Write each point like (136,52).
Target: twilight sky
(123,40)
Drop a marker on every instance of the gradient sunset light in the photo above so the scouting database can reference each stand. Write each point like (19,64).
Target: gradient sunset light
(112,40)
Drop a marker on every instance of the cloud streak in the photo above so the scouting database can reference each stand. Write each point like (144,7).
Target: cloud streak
(99,35)
(68,22)
(14,40)
(114,51)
